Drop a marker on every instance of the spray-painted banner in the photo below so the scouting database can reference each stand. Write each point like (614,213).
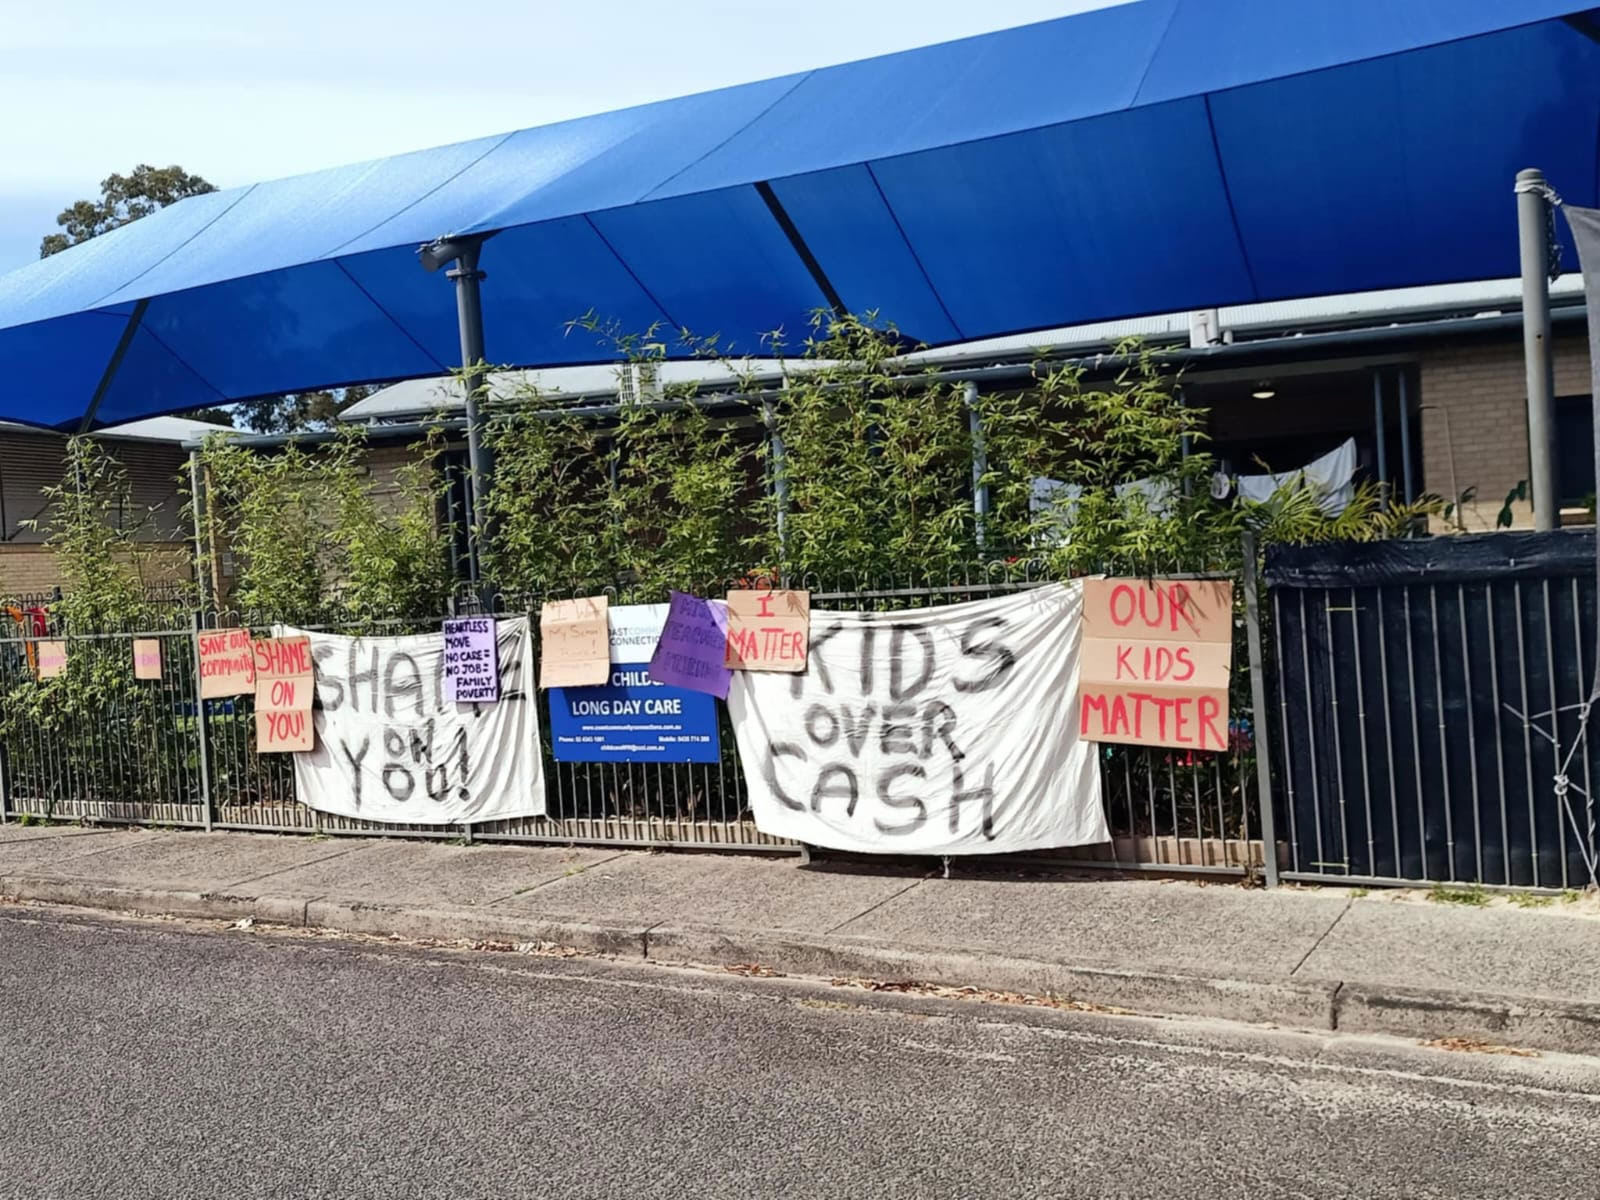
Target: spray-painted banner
(937,731)
(392,747)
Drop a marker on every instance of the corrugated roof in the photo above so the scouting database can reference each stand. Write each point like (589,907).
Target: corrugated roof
(176,430)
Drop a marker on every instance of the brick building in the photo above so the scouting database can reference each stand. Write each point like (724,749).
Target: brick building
(31,460)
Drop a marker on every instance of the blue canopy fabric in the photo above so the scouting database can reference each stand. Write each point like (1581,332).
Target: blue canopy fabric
(1151,157)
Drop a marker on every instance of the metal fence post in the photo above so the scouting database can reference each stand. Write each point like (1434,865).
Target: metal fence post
(1258,707)
(1533,215)
(5,788)
(201,732)
(980,461)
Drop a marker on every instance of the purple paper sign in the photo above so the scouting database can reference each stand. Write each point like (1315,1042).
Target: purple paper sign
(471,661)
(689,654)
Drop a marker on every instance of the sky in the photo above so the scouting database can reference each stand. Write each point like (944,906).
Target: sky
(240,91)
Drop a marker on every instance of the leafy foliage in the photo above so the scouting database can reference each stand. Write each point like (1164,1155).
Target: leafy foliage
(660,492)
(58,726)
(123,198)
(100,539)
(876,475)
(877,461)
(310,537)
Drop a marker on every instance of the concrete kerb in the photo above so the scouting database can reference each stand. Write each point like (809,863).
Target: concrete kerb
(1166,993)
(1351,1007)
(1538,1024)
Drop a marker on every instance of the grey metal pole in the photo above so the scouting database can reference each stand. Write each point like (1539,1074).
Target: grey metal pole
(196,499)
(1258,706)
(1380,425)
(1407,486)
(480,465)
(779,475)
(202,734)
(980,460)
(1534,244)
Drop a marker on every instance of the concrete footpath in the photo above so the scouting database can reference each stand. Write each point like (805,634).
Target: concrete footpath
(1325,958)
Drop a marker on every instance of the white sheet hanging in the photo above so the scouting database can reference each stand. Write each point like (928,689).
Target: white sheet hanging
(1330,478)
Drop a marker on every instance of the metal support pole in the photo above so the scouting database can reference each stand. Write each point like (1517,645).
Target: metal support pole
(980,461)
(480,465)
(779,476)
(1379,424)
(5,788)
(1534,243)
(202,734)
(1258,707)
(196,499)
(1407,485)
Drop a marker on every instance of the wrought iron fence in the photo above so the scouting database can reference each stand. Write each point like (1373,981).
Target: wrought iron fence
(152,753)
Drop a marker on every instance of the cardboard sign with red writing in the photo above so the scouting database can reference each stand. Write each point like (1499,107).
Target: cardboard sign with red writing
(285,689)
(768,630)
(146,658)
(574,643)
(227,664)
(1156,660)
(52,657)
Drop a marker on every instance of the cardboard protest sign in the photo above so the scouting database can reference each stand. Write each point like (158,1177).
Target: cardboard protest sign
(146,658)
(1157,656)
(227,664)
(471,661)
(692,646)
(575,643)
(52,657)
(768,630)
(285,689)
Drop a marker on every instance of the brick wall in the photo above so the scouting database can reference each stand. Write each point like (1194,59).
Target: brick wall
(1482,392)
(31,570)
(385,464)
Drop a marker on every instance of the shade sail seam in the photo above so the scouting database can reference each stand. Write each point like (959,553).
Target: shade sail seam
(776,100)
(146,331)
(1227,194)
(186,241)
(1155,53)
(401,211)
(623,263)
(393,320)
(912,250)
(1341,65)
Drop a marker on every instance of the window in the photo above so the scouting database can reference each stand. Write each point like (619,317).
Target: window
(1574,452)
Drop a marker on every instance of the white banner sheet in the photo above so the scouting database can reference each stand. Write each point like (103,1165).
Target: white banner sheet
(936,731)
(391,747)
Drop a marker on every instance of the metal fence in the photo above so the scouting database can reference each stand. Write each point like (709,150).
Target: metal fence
(153,753)
(1432,701)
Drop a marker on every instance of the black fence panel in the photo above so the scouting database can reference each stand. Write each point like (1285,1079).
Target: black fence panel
(1432,699)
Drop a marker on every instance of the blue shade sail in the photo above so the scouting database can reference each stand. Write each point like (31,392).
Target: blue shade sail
(1149,157)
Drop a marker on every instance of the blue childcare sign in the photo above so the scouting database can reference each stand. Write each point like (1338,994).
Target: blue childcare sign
(633,718)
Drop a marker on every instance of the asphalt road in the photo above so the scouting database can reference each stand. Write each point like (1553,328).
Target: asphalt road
(163,1060)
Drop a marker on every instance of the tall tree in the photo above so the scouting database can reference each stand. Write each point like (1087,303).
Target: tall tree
(123,198)
(299,410)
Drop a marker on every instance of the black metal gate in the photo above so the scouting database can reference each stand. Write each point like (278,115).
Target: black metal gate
(1431,698)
